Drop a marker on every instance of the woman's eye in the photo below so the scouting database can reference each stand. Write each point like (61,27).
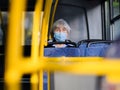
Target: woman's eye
(64,29)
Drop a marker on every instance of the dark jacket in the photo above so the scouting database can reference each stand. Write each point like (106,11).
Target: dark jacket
(68,43)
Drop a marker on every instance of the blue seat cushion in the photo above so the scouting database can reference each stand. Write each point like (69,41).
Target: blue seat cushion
(96,49)
(58,52)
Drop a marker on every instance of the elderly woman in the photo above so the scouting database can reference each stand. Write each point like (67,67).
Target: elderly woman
(60,32)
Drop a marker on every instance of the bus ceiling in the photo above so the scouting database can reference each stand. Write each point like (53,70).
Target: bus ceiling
(4,4)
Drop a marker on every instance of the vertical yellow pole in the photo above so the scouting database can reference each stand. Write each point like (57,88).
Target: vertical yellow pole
(53,15)
(44,33)
(41,72)
(47,16)
(45,24)
(35,40)
(14,48)
(41,80)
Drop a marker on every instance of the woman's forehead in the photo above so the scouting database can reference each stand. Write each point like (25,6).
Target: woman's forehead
(60,26)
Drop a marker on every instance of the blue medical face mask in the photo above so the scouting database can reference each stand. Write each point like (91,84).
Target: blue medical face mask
(60,36)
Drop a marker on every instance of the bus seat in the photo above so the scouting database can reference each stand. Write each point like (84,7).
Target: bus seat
(82,49)
(96,49)
(83,45)
(58,52)
(93,47)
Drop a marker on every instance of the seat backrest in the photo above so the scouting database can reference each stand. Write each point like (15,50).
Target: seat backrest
(97,48)
(82,48)
(67,42)
(83,44)
(58,52)
(94,47)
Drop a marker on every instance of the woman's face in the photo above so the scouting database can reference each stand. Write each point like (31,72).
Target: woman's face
(60,29)
(60,33)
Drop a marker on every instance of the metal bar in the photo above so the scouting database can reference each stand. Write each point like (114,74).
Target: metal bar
(41,80)
(115,19)
(35,40)
(87,23)
(44,32)
(14,45)
(53,15)
(103,21)
(78,65)
(43,38)
(47,17)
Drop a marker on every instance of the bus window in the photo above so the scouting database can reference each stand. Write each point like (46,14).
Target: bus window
(115,8)
(116,29)
(28,27)
(112,20)
(115,21)
(3,27)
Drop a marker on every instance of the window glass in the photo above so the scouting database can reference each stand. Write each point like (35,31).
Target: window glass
(113,28)
(116,29)
(27,27)
(3,26)
(115,8)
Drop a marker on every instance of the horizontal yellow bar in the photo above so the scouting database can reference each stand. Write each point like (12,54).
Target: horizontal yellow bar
(72,59)
(75,65)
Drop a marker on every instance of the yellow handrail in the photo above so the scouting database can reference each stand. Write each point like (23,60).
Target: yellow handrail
(84,65)
(81,65)
(14,45)
(43,38)
(35,40)
(53,15)
(47,17)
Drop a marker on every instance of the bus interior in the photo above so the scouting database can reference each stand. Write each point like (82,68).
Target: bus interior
(94,27)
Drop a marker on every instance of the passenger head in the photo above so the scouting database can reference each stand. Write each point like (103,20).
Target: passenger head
(60,30)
